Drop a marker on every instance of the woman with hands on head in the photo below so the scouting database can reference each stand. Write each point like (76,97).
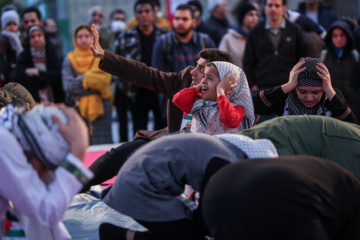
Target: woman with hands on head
(309,91)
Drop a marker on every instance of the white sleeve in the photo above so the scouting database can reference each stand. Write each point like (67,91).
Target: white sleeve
(20,183)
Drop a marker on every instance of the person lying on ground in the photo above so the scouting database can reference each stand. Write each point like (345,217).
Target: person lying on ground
(147,186)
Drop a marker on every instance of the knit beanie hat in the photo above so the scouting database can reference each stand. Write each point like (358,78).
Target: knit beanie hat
(309,77)
(213,3)
(36,132)
(15,94)
(243,10)
(196,4)
(9,16)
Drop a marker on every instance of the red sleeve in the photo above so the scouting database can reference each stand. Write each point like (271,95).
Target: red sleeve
(230,116)
(185,99)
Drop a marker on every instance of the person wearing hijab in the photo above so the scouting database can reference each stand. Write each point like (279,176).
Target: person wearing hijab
(87,87)
(41,168)
(214,111)
(10,40)
(147,185)
(309,91)
(342,60)
(293,197)
(38,67)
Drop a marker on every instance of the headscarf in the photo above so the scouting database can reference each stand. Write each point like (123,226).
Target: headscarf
(239,97)
(309,77)
(36,132)
(15,94)
(38,55)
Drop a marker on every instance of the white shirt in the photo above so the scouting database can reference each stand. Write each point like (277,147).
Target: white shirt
(20,184)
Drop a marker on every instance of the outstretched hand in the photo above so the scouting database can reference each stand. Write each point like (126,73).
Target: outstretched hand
(226,85)
(95,46)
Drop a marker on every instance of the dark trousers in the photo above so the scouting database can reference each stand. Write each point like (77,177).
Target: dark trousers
(145,101)
(108,165)
(122,104)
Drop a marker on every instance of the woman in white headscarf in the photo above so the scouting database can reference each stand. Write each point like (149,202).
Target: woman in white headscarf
(220,103)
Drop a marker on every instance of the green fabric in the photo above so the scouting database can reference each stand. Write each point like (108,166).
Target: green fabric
(318,136)
(15,233)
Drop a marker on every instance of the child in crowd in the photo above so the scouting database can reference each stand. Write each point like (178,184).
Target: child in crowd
(38,67)
(87,87)
(10,40)
(220,103)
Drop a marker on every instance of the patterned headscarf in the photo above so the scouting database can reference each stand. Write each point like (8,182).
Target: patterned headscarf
(36,132)
(259,148)
(15,94)
(239,97)
(309,77)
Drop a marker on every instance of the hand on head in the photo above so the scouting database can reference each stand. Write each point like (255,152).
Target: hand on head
(226,85)
(293,77)
(95,46)
(75,132)
(324,74)
(295,71)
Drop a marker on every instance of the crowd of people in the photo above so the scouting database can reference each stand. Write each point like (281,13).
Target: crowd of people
(259,118)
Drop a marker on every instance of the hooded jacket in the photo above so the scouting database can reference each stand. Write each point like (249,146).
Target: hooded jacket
(344,70)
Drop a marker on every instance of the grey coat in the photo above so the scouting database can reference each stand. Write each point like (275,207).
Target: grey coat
(148,183)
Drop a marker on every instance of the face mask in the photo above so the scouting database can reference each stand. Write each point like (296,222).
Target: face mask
(118,26)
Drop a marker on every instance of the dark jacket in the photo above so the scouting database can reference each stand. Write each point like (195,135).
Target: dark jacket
(9,57)
(138,73)
(266,66)
(344,70)
(51,76)
(326,16)
(272,101)
(219,27)
(171,55)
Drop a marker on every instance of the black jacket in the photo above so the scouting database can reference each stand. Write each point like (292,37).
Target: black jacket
(51,76)
(266,66)
(344,70)
(273,102)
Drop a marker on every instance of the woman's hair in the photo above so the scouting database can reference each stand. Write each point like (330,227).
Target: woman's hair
(84,26)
